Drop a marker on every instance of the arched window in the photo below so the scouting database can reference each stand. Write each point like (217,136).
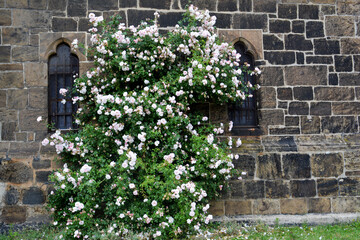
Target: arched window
(244,113)
(62,67)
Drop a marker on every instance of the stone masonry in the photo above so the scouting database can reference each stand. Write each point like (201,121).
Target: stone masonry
(303,158)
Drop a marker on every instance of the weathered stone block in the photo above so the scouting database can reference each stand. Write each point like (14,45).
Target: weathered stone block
(25,53)
(349,186)
(15,173)
(314,29)
(328,10)
(5,17)
(303,93)
(15,36)
(334,93)
(37,4)
(268,166)
(2,98)
(227,5)
(17,4)
(303,188)
(346,108)
(201,4)
(319,59)
(33,196)
(63,24)
(279,144)
(266,206)
(36,98)
(13,214)
(272,42)
(310,126)
(309,11)
(43,176)
(27,120)
(284,130)
(298,26)
(293,206)
(5,54)
(326,47)
(103,5)
(264,6)
(237,208)
(277,189)
(333,79)
(279,26)
(17,98)
(77,8)
(59,5)
(339,124)
(350,45)
(8,131)
(327,165)
(298,108)
(340,26)
(24,149)
(254,189)
(300,58)
(280,58)
(236,189)
(41,164)
(127,3)
(306,75)
(217,208)
(268,97)
(12,196)
(297,42)
(29,18)
(352,160)
(223,20)
(136,16)
(245,163)
(271,117)
(172,18)
(327,187)
(346,204)
(36,74)
(283,105)
(250,21)
(272,76)
(284,94)
(21,136)
(343,63)
(11,66)
(348,7)
(287,11)
(245,5)
(319,205)
(349,79)
(291,121)
(296,166)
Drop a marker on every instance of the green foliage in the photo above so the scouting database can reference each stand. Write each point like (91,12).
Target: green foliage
(142,161)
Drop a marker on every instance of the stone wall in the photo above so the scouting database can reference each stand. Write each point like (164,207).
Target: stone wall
(306,157)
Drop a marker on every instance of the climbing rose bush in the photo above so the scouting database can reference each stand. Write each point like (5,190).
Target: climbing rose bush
(143,160)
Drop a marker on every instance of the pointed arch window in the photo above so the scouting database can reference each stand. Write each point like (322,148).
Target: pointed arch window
(244,113)
(62,67)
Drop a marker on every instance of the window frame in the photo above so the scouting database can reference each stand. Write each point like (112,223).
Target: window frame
(251,129)
(71,57)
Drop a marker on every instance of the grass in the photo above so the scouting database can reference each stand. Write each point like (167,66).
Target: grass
(230,230)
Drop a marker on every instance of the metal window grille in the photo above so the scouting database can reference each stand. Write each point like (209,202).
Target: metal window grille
(62,68)
(244,114)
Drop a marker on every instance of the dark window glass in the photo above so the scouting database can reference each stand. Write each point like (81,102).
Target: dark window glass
(243,113)
(62,68)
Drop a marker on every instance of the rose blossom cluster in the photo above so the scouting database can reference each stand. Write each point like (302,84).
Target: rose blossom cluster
(142,152)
